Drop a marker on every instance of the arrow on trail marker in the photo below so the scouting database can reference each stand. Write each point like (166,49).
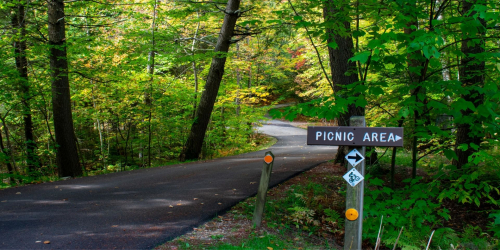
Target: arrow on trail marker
(354,157)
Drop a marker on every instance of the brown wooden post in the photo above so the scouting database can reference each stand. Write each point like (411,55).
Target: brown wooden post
(260,203)
(354,198)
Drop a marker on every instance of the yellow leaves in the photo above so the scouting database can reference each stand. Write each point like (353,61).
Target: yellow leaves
(117,59)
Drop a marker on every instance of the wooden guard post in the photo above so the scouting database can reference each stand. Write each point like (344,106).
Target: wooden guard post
(354,197)
(260,203)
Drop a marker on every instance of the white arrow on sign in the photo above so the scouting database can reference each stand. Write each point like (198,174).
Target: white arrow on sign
(354,157)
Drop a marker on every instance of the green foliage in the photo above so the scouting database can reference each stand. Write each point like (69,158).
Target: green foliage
(301,216)
(334,217)
(217,237)
(418,209)
(305,207)
(468,189)
(473,238)
(108,51)
(263,242)
(414,207)
(494,227)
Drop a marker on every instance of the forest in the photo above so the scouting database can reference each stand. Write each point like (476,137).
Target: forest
(91,87)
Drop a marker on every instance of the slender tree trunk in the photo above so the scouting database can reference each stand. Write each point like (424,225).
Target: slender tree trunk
(6,152)
(98,122)
(344,72)
(126,146)
(472,77)
(151,71)
(19,27)
(416,90)
(238,82)
(67,154)
(249,85)
(196,136)
(393,157)
(195,69)
(9,145)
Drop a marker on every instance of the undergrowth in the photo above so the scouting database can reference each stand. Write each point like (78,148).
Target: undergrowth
(313,206)
(256,142)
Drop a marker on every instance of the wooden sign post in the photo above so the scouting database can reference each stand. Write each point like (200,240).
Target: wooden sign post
(357,136)
(260,203)
(354,197)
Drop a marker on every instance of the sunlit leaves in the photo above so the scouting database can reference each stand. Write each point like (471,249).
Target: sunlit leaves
(362,57)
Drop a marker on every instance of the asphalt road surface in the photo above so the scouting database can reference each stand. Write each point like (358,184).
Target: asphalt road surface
(141,209)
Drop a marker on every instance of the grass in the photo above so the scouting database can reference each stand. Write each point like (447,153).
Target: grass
(260,242)
(258,142)
(403,156)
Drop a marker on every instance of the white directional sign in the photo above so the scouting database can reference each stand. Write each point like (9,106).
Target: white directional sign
(354,157)
(353,177)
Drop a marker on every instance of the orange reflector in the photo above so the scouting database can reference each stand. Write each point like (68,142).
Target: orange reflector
(268,159)
(351,214)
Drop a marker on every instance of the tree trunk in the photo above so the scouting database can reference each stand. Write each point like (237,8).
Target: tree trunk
(195,69)
(19,27)
(344,72)
(6,152)
(98,122)
(238,82)
(67,154)
(9,145)
(151,71)
(413,66)
(196,136)
(472,77)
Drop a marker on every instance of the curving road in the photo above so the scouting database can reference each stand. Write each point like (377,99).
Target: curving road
(141,209)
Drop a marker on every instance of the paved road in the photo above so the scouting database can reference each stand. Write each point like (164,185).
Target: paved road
(143,208)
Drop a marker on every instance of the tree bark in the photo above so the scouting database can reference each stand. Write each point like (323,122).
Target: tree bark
(6,152)
(344,72)
(238,82)
(9,146)
(472,77)
(196,136)
(67,154)
(413,65)
(19,27)
(151,72)
(195,69)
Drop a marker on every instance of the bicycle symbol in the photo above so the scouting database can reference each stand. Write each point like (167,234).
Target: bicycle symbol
(353,178)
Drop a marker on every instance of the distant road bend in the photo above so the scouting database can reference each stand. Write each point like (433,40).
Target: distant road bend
(143,208)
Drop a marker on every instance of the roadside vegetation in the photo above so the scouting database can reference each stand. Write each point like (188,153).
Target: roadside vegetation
(307,212)
(254,142)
